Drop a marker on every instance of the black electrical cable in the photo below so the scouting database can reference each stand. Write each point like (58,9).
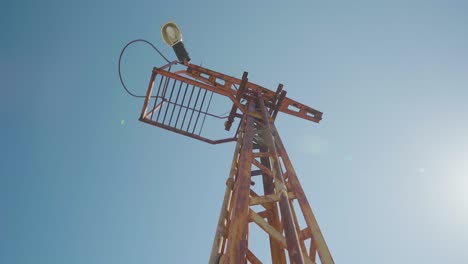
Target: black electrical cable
(120,60)
(160,53)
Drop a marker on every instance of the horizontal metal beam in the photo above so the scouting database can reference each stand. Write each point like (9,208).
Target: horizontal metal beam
(195,136)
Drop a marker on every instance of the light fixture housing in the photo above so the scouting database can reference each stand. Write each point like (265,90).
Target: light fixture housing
(172,36)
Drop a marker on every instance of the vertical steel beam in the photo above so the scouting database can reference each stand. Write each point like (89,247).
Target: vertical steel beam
(236,250)
(216,250)
(277,252)
(317,237)
(292,238)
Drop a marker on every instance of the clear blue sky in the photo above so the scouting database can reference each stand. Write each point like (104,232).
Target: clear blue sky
(386,171)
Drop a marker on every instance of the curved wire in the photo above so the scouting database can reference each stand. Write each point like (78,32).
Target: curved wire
(221,116)
(120,60)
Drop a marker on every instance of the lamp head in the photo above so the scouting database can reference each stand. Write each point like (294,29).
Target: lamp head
(172,36)
(170,33)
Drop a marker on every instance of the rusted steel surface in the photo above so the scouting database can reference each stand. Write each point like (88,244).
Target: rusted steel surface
(281,226)
(219,141)
(276,250)
(252,258)
(181,89)
(295,254)
(264,199)
(181,105)
(300,234)
(240,92)
(180,102)
(268,228)
(317,237)
(237,240)
(149,91)
(288,106)
(217,250)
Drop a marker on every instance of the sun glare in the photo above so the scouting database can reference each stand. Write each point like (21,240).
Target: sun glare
(458,187)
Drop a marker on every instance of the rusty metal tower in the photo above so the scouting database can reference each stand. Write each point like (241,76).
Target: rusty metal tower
(180,101)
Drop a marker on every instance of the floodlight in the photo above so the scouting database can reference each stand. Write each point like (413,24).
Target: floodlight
(172,36)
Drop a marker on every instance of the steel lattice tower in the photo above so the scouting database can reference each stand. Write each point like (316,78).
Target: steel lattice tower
(181,103)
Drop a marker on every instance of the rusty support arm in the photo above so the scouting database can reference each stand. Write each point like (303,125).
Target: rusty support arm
(288,106)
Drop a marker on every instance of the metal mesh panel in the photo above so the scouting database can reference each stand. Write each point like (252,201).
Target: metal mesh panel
(183,107)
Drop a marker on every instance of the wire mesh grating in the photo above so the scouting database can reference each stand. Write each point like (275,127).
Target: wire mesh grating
(183,107)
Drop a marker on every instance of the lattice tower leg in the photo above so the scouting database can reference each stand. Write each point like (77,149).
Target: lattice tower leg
(260,152)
